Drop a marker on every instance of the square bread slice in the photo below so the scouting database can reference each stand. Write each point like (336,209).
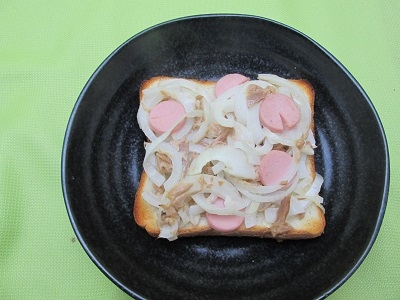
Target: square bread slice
(215,152)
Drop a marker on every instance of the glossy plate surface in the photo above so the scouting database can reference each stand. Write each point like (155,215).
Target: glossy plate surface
(103,153)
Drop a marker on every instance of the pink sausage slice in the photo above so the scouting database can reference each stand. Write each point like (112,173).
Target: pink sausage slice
(278,111)
(274,166)
(165,114)
(229,81)
(223,223)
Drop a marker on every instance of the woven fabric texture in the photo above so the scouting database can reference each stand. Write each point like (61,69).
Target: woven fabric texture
(48,51)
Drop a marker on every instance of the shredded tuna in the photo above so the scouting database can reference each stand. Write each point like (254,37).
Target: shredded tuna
(280,226)
(207,169)
(255,93)
(179,193)
(221,139)
(280,147)
(168,215)
(184,149)
(164,163)
(218,133)
(158,189)
(265,205)
(214,130)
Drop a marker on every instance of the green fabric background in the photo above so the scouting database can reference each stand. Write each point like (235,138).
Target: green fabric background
(49,49)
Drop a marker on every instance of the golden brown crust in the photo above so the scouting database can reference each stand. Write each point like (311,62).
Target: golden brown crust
(311,225)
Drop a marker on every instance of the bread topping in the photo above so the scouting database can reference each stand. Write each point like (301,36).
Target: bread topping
(164,115)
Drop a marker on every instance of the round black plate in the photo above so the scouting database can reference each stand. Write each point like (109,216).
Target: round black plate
(103,153)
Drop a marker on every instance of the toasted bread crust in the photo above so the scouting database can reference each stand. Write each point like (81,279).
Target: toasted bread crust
(311,225)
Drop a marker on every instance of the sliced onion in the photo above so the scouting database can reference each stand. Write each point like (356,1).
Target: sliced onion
(156,177)
(202,131)
(194,219)
(234,159)
(270,214)
(254,150)
(315,186)
(217,187)
(169,231)
(143,121)
(272,197)
(305,203)
(184,130)
(254,188)
(254,125)
(195,210)
(295,207)
(240,108)
(238,205)
(220,166)
(220,109)
(213,209)
(176,159)
(151,97)
(196,148)
(251,214)
(242,133)
(304,175)
(151,198)
(184,217)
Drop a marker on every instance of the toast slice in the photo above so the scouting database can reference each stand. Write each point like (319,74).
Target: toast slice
(299,213)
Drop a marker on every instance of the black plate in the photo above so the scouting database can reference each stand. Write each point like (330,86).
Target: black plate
(103,152)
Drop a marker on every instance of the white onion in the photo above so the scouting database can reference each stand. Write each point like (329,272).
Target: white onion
(169,231)
(254,188)
(254,150)
(217,187)
(195,210)
(155,176)
(202,131)
(151,198)
(194,219)
(184,130)
(251,214)
(276,196)
(176,159)
(196,148)
(234,159)
(315,186)
(238,205)
(220,166)
(213,209)
(184,217)
(240,108)
(305,203)
(254,125)
(143,121)
(151,97)
(242,133)
(270,214)
(295,207)
(220,109)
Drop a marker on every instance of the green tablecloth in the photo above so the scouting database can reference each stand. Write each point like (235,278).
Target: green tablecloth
(49,49)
